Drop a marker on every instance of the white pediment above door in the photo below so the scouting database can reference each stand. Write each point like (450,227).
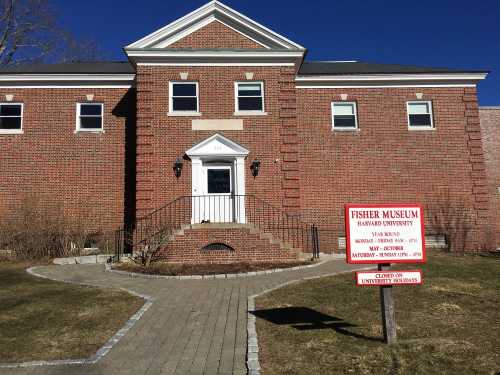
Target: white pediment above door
(217,146)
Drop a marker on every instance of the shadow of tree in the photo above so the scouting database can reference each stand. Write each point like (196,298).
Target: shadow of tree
(305,319)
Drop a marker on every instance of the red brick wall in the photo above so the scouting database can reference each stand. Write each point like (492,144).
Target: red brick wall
(385,162)
(215,35)
(490,126)
(248,247)
(83,172)
(162,138)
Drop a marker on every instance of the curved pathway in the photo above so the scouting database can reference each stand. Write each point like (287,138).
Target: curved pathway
(193,327)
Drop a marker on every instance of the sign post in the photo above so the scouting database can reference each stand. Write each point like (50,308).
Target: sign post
(387,307)
(385,234)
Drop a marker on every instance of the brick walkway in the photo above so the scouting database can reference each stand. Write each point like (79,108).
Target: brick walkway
(193,327)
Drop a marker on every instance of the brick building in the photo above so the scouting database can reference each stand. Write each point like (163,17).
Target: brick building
(220,130)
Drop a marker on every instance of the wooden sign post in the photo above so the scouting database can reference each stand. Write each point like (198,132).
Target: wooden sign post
(387,307)
(385,234)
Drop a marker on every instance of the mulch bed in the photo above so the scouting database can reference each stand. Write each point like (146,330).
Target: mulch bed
(171,269)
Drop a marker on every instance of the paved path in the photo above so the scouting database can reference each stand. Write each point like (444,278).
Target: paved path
(194,326)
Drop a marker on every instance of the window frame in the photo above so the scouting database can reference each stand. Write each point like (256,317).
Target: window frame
(256,112)
(431,113)
(171,111)
(343,128)
(79,129)
(14,131)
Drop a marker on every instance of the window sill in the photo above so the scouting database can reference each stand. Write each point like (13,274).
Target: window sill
(184,114)
(250,113)
(11,132)
(421,129)
(90,131)
(346,130)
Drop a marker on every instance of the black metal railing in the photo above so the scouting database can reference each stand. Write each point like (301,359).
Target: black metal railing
(238,209)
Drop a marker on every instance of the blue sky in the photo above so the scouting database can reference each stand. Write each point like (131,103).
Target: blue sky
(443,33)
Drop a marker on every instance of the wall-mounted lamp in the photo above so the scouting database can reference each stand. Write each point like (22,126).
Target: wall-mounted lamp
(255,167)
(178,164)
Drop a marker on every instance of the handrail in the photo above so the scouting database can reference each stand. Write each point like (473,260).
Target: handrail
(223,208)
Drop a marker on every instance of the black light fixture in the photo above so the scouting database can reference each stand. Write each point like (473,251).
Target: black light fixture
(178,167)
(255,167)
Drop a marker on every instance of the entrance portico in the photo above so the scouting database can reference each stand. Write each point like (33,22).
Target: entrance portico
(218,181)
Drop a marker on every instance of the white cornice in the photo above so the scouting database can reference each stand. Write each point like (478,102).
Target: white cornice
(59,86)
(215,57)
(195,64)
(383,86)
(215,10)
(67,77)
(200,54)
(394,77)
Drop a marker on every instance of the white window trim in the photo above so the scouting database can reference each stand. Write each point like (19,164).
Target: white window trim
(344,129)
(82,130)
(14,131)
(237,111)
(431,110)
(171,112)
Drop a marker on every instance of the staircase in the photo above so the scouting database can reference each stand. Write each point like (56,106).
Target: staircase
(251,227)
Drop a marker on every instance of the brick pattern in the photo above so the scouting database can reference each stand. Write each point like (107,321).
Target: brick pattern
(215,35)
(290,142)
(476,156)
(248,247)
(82,172)
(490,130)
(386,162)
(144,142)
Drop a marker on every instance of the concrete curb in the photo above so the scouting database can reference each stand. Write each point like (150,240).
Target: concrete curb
(211,277)
(253,363)
(102,351)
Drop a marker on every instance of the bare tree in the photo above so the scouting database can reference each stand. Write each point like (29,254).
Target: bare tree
(29,33)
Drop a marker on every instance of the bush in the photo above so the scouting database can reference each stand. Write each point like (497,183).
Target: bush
(35,231)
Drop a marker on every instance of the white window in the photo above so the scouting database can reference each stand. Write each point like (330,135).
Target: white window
(184,98)
(344,116)
(89,117)
(11,118)
(249,97)
(420,115)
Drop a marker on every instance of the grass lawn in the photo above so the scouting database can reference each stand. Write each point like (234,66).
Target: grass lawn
(450,325)
(174,269)
(46,320)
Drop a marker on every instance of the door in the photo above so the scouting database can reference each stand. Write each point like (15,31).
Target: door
(216,205)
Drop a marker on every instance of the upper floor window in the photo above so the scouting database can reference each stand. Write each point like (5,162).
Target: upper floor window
(11,118)
(344,116)
(420,115)
(89,117)
(250,97)
(184,98)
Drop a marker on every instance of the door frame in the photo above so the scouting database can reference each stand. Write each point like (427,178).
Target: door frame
(218,148)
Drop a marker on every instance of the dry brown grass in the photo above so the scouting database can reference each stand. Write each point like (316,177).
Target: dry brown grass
(46,320)
(450,325)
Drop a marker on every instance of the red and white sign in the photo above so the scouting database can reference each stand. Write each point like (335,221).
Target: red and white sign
(377,278)
(391,233)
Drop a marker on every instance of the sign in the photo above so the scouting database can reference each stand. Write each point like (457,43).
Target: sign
(383,234)
(379,278)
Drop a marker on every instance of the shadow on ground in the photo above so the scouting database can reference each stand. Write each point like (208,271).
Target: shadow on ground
(305,319)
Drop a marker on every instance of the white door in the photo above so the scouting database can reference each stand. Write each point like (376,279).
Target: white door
(216,203)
